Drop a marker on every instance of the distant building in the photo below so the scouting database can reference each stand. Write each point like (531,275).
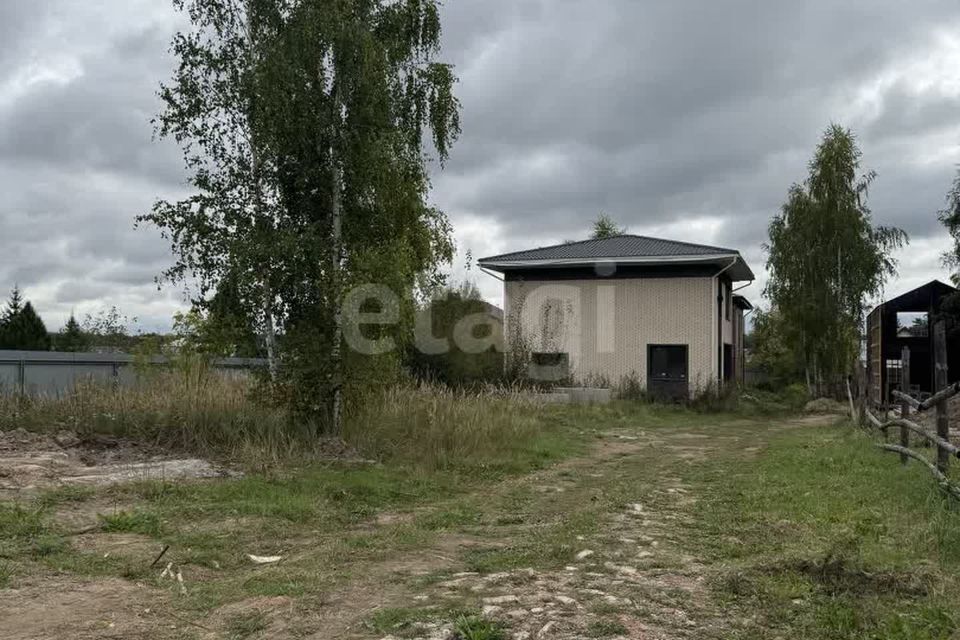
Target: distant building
(902,322)
(660,312)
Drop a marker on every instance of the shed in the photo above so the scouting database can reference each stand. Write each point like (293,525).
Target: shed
(888,334)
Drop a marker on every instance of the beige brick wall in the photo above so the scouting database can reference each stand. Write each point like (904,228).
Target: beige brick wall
(606,325)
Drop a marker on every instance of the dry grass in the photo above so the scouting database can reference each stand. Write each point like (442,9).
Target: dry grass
(439,428)
(185,408)
(192,408)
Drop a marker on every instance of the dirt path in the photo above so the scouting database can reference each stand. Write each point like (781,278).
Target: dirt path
(596,546)
(630,574)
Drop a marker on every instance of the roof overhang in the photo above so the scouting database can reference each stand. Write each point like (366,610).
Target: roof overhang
(732,265)
(742,303)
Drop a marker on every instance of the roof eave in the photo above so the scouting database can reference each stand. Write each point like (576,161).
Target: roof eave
(739,271)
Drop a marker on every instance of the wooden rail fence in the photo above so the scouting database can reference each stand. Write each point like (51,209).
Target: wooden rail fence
(938,402)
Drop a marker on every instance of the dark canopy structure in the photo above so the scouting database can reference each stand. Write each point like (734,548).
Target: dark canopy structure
(887,335)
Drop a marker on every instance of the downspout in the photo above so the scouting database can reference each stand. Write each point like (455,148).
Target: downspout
(506,316)
(719,335)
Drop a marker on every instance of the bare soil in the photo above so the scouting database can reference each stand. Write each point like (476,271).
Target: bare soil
(31,461)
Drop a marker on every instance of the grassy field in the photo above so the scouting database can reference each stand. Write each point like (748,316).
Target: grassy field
(825,537)
(622,521)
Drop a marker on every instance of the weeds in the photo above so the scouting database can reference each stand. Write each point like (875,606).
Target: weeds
(437,428)
(477,628)
(244,625)
(196,409)
(141,522)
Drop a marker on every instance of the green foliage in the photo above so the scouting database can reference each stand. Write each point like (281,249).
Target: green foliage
(20,326)
(773,351)
(108,328)
(131,522)
(71,338)
(826,257)
(302,124)
(466,323)
(950,218)
(605,227)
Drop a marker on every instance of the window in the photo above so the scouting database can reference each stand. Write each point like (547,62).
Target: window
(668,362)
(913,325)
(728,300)
(894,373)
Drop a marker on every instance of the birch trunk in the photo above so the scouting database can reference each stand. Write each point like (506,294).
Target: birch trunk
(336,250)
(336,356)
(270,336)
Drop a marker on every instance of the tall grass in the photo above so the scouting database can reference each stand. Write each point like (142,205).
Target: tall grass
(440,428)
(192,408)
(186,408)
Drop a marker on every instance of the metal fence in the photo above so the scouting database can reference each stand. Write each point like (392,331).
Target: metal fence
(56,373)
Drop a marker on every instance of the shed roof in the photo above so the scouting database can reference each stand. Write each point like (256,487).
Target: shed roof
(921,298)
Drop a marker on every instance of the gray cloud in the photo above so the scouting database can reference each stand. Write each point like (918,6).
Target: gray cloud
(689,118)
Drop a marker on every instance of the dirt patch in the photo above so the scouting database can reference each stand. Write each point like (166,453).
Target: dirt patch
(30,461)
(118,545)
(84,610)
(262,617)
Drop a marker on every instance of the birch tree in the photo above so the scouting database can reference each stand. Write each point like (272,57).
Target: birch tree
(826,258)
(212,108)
(365,105)
(309,126)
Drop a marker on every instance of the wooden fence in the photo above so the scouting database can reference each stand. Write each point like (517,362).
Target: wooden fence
(938,402)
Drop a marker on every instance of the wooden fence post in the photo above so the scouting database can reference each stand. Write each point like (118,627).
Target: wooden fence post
(904,405)
(941,382)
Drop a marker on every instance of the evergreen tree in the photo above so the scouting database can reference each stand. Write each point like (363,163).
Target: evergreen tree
(13,308)
(14,304)
(71,338)
(25,331)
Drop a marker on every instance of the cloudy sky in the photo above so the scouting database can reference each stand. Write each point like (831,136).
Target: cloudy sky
(686,119)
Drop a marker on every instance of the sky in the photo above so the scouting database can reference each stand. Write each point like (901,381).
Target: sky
(687,119)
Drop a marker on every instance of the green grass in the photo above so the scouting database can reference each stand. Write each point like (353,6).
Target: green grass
(405,622)
(830,538)
(142,522)
(814,534)
(478,628)
(606,629)
(245,625)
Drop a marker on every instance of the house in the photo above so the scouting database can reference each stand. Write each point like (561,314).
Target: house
(902,322)
(660,313)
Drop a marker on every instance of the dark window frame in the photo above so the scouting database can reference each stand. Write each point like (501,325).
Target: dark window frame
(686,353)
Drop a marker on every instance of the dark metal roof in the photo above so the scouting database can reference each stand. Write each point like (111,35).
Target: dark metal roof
(742,302)
(624,249)
(921,298)
(626,246)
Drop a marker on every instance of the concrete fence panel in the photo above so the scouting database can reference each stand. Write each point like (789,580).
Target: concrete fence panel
(54,373)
